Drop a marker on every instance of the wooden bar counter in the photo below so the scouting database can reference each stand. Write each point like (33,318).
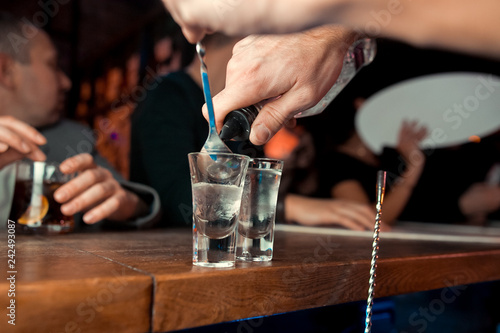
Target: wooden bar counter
(141,281)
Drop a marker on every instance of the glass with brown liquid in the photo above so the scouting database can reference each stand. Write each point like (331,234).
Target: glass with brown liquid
(34,209)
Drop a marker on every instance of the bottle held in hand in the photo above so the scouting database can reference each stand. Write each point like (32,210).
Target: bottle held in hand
(238,122)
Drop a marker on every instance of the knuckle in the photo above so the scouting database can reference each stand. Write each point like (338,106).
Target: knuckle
(105,173)
(121,194)
(241,44)
(248,73)
(87,156)
(101,190)
(78,159)
(232,65)
(305,94)
(92,176)
(9,136)
(276,115)
(84,157)
(78,204)
(69,188)
(114,203)
(186,15)
(113,186)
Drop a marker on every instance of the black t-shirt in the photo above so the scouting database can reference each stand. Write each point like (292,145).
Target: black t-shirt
(335,167)
(338,167)
(166,126)
(447,174)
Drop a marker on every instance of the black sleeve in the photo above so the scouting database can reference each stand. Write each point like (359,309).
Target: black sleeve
(165,128)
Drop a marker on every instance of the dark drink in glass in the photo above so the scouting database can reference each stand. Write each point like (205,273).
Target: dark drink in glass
(33,209)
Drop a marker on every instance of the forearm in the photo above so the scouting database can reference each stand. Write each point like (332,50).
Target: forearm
(291,210)
(334,36)
(461,25)
(314,211)
(396,200)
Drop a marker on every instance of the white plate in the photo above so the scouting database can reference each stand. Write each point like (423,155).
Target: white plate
(454,106)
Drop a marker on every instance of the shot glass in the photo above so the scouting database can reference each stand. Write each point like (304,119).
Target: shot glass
(217,181)
(258,210)
(34,209)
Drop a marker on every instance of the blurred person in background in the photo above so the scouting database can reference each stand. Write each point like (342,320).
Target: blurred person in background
(457,185)
(347,168)
(32,96)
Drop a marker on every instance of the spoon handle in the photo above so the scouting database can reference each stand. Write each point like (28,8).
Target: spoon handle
(206,86)
(208,100)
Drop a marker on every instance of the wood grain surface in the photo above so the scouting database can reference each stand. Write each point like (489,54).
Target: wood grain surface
(105,281)
(59,288)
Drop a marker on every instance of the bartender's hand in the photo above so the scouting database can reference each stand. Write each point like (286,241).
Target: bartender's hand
(298,68)
(19,140)
(95,191)
(316,212)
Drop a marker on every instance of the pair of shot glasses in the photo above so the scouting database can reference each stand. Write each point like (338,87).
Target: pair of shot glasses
(234,208)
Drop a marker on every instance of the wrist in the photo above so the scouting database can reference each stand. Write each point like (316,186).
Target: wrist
(141,208)
(336,37)
(132,207)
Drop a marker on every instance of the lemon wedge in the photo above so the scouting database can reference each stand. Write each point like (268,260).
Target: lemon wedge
(34,214)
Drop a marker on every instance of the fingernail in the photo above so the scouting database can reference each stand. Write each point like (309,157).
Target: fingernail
(88,218)
(67,209)
(64,167)
(260,134)
(60,196)
(25,148)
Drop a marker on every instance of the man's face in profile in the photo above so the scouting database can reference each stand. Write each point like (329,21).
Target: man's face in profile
(40,84)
